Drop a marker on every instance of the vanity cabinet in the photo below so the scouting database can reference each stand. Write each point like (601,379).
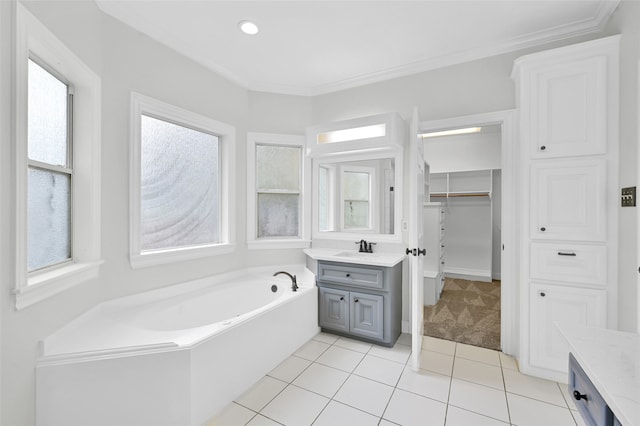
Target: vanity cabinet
(360,301)
(567,102)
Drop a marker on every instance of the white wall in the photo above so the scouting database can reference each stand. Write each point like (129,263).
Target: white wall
(474,151)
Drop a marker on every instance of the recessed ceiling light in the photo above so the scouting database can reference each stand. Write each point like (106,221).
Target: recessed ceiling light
(248,27)
(452,132)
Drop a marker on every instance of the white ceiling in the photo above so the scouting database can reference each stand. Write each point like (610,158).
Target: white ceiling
(310,47)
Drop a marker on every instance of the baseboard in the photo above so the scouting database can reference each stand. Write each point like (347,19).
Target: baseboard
(468,274)
(497,276)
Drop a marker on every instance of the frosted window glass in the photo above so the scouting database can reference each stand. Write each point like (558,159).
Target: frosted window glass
(323,199)
(49,218)
(278,167)
(356,186)
(179,186)
(356,214)
(47,117)
(356,133)
(278,215)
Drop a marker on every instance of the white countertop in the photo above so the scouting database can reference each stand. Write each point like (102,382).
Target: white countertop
(611,359)
(353,256)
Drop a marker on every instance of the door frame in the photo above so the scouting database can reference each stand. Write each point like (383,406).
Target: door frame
(510,292)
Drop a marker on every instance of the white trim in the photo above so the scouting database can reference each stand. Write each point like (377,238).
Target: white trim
(33,37)
(509,331)
(141,104)
(253,242)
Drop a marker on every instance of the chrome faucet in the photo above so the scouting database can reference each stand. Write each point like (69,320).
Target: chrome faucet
(294,282)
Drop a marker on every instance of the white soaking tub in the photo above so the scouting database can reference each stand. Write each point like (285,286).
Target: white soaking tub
(173,356)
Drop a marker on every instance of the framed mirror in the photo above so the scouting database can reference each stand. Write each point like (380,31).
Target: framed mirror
(358,195)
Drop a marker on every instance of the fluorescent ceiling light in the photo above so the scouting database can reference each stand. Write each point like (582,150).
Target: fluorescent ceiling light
(451,132)
(248,27)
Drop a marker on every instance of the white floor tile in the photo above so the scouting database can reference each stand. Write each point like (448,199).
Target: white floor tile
(384,422)
(425,383)
(232,415)
(508,362)
(530,412)
(295,407)
(261,420)
(341,358)
(325,338)
(478,372)
(404,339)
(398,353)
(479,354)
(439,345)
(459,417)
(533,387)
(436,362)
(321,379)
(337,414)
(365,395)
(354,345)
(261,393)
(409,409)
(479,399)
(290,368)
(578,418)
(568,398)
(311,350)
(379,369)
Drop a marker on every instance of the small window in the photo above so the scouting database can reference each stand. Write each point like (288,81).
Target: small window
(49,222)
(275,201)
(181,190)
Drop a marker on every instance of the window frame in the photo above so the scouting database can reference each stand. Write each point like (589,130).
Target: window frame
(145,105)
(35,41)
(303,240)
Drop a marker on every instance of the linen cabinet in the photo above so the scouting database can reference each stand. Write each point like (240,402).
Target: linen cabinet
(567,101)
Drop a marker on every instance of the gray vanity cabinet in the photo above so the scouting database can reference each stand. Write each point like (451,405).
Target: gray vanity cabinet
(360,301)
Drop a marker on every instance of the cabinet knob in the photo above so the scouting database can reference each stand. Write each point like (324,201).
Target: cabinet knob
(543,294)
(356,301)
(341,297)
(543,229)
(348,275)
(578,396)
(542,148)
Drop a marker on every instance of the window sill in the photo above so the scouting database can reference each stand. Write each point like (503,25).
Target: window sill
(44,285)
(278,244)
(161,257)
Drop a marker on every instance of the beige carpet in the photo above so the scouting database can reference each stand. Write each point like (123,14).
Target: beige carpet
(467,312)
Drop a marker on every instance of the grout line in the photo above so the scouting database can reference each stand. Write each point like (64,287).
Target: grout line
(504,383)
(446,410)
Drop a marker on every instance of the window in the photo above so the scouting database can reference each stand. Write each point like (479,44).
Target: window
(180,184)
(275,191)
(57,136)
(356,198)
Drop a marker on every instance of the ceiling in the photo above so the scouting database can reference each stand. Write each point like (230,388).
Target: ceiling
(311,47)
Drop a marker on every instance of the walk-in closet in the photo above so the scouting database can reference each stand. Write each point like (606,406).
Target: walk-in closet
(462,236)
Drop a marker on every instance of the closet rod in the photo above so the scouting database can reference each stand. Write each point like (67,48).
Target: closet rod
(469,194)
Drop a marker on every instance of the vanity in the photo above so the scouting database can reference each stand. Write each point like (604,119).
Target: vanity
(360,294)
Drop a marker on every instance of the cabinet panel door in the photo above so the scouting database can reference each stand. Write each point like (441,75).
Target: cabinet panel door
(334,309)
(551,304)
(568,200)
(568,114)
(367,315)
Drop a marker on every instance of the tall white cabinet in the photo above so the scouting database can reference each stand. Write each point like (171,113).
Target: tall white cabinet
(567,102)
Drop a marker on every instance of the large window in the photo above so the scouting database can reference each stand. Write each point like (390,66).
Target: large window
(180,183)
(57,136)
(276,199)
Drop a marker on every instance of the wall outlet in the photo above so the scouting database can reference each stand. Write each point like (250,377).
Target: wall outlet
(628,197)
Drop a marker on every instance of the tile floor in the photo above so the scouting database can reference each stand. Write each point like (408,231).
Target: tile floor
(333,381)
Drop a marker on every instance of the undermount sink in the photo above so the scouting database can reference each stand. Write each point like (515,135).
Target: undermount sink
(355,254)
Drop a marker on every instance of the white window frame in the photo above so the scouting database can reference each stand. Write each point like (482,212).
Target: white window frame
(373,183)
(34,39)
(145,105)
(303,240)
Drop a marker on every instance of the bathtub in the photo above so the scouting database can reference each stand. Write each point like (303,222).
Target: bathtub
(173,356)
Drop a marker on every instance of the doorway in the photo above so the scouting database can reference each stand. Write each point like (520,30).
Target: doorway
(503,121)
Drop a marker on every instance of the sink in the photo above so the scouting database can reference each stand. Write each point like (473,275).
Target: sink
(355,254)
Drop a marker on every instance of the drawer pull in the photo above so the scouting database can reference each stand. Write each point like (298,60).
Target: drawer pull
(561,253)
(578,396)
(543,229)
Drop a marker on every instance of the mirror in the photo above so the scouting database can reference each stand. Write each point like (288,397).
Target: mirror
(357,195)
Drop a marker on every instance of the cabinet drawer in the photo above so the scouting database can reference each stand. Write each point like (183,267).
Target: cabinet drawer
(592,407)
(351,275)
(572,263)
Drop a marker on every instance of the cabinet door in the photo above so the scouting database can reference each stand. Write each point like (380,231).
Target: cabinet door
(334,309)
(551,304)
(568,200)
(568,108)
(367,315)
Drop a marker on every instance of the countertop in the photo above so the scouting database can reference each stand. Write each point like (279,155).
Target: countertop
(354,257)
(611,359)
